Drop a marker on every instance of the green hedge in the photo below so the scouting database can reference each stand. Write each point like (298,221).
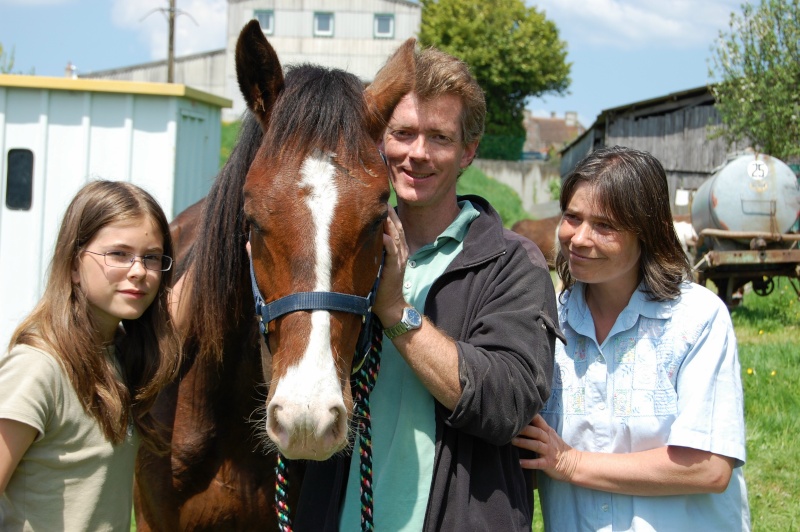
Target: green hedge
(502,147)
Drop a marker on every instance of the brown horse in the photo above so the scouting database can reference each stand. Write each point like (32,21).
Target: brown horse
(183,229)
(543,234)
(305,191)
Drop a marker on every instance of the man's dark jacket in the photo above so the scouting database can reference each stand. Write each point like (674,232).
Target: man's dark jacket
(496,299)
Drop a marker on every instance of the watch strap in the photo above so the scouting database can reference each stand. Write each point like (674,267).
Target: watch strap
(395,330)
(411,320)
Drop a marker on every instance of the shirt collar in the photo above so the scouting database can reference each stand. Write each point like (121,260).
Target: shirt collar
(579,317)
(457,230)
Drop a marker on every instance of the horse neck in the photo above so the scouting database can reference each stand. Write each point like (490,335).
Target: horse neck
(225,391)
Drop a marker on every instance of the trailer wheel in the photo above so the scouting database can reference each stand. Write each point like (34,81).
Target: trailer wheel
(763,286)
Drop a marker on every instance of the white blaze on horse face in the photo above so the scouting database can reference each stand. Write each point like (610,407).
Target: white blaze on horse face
(317,175)
(307,417)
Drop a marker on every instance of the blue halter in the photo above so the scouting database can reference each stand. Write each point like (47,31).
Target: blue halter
(336,301)
(362,376)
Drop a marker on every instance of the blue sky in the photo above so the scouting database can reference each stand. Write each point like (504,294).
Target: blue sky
(621,51)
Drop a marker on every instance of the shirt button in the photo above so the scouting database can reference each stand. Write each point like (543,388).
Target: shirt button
(604,507)
(599,359)
(407,284)
(601,406)
(412,263)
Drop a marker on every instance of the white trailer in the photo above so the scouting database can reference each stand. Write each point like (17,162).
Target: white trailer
(56,134)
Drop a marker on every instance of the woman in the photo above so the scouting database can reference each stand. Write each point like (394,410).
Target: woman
(85,366)
(644,429)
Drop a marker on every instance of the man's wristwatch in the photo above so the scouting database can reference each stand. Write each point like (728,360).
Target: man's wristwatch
(411,320)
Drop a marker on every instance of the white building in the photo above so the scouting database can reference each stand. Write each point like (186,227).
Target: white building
(354,35)
(57,134)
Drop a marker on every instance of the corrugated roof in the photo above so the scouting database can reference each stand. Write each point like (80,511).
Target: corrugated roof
(150,64)
(651,106)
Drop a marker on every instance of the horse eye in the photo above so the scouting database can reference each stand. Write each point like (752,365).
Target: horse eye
(378,223)
(253,225)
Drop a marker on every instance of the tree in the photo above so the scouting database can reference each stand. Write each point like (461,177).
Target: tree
(513,51)
(6,63)
(758,64)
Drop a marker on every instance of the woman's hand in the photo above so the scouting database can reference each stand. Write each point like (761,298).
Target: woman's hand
(663,471)
(556,459)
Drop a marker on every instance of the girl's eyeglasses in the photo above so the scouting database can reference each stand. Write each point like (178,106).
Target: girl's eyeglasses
(123,259)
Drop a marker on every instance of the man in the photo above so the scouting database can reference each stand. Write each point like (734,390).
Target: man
(468,311)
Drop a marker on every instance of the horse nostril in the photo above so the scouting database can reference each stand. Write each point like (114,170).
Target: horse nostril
(274,427)
(339,424)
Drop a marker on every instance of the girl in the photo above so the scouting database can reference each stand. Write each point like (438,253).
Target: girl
(83,369)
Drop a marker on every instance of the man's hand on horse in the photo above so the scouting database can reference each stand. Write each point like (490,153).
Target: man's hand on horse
(389,301)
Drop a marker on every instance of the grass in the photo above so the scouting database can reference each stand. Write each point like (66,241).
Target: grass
(228,138)
(502,197)
(767,330)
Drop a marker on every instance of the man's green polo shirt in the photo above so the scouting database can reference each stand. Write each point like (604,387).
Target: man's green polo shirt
(402,411)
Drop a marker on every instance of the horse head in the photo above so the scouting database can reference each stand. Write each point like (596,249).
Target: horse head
(315,200)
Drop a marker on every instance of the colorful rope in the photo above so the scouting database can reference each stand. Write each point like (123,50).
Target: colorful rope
(282,495)
(361,385)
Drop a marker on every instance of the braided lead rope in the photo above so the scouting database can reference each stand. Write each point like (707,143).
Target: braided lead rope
(282,495)
(363,384)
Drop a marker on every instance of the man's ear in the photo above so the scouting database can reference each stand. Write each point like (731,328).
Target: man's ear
(249,253)
(469,154)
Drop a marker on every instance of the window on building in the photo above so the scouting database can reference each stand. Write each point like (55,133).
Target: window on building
(384,26)
(19,180)
(323,24)
(265,17)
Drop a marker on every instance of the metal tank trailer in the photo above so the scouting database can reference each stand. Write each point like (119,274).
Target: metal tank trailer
(744,215)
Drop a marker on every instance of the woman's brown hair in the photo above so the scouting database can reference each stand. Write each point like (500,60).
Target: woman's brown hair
(147,352)
(631,189)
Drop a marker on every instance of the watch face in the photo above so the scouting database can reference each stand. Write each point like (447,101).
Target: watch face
(413,318)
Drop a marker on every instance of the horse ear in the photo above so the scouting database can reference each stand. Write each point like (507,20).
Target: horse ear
(258,71)
(392,82)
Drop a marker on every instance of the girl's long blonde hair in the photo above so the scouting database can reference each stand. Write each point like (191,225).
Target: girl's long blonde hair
(147,352)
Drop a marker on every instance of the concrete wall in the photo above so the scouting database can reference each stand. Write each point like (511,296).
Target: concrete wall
(353,46)
(529,179)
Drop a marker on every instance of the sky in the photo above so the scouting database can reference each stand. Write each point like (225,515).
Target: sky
(621,51)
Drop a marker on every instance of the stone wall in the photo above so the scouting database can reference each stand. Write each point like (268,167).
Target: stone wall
(529,179)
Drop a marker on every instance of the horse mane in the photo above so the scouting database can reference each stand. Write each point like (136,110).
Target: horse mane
(219,300)
(319,108)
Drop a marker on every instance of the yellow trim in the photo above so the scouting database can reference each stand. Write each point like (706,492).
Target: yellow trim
(104,85)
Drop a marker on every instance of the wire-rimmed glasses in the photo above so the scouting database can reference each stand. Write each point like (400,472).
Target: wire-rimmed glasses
(124,259)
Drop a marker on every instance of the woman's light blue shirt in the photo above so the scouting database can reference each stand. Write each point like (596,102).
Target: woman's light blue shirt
(667,374)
